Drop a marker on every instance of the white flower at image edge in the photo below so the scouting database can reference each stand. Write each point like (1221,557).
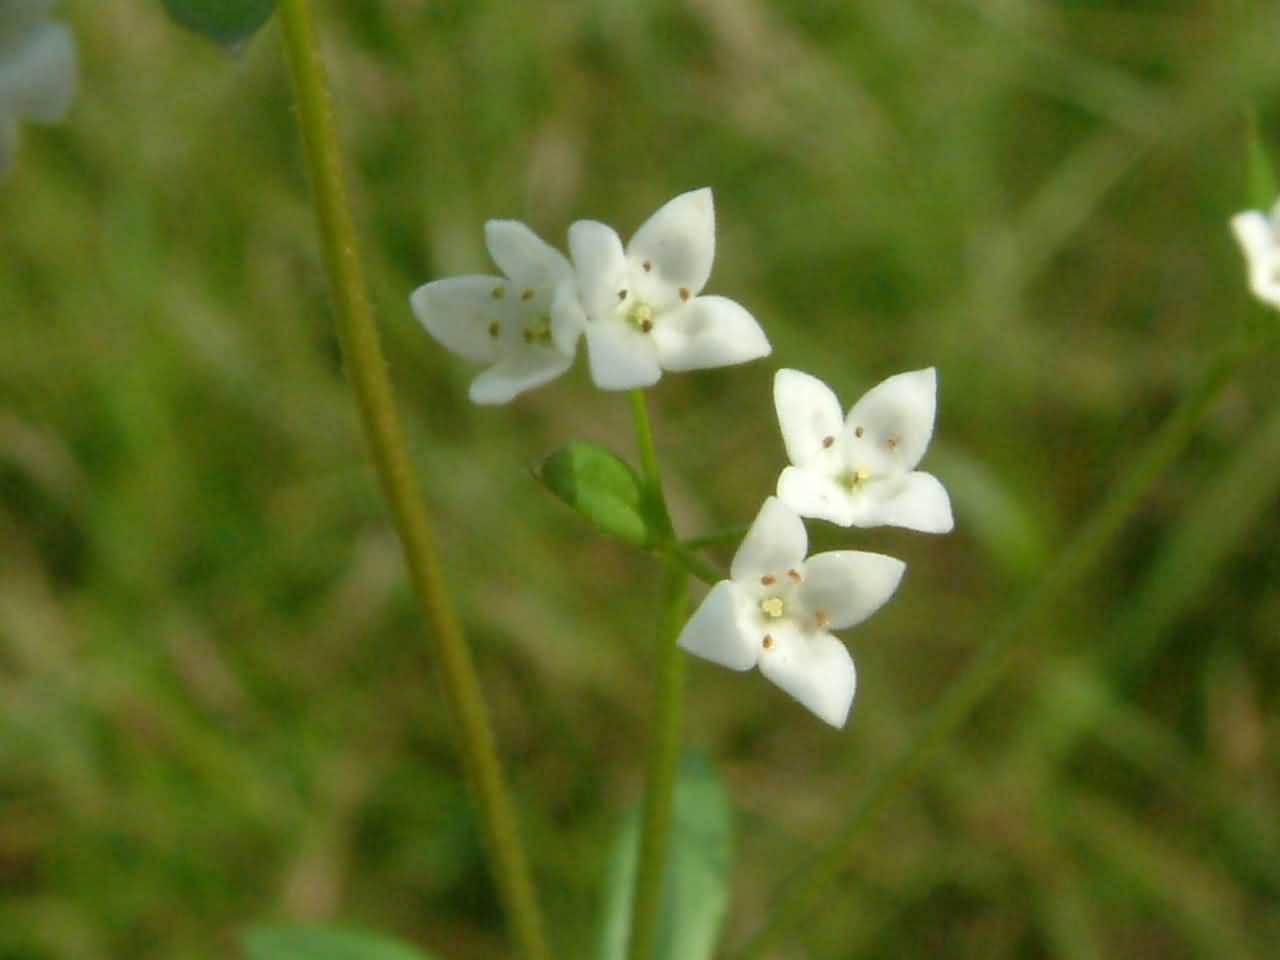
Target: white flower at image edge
(778,609)
(37,70)
(1259,236)
(516,323)
(642,312)
(859,470)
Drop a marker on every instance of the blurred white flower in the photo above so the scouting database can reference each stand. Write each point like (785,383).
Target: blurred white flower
(1259,236)
(778,609)
(641,309)
(860,470)
(37,70)
(517,323)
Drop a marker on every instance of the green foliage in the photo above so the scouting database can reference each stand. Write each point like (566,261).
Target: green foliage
(1260,172)
(229,22)
(323,942)
(603,488)
(699,867)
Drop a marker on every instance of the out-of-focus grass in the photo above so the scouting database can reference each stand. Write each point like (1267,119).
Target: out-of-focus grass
(215,704)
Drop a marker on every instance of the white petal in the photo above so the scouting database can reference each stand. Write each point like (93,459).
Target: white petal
(600,266)
(898,414)
(568,319)
(1262,253)
(708,332)
(621,358)
(809,416)
(919,503)
(848,586)
(523,256)
(458,311)
(39,78)
(775,543)
(813,495)
(679,242)
(523,369)
(815,668)
(718,631)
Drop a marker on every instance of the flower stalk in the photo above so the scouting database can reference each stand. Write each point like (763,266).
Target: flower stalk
(366,368)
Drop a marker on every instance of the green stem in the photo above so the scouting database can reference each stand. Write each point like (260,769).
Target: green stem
(664,746)
(996,655)
(717,537)
(366,368)
(682,556)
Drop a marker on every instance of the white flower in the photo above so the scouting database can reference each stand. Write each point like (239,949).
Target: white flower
(860,470)
(642,312)
(37,69)
(1259,236)
(777,610)
(517,323)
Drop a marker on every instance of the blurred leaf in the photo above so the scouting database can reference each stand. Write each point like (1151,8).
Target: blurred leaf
(323,942)
(1260,175)
(229,22)
(602,487)
(696,894)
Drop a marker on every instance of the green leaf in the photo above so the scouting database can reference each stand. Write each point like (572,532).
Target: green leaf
(602,487)
(229,22)
(1260,175)
(324,942)
(696,894)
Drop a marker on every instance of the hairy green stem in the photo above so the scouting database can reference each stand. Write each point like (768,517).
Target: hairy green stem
(990,663)
(366,369)
(664,746)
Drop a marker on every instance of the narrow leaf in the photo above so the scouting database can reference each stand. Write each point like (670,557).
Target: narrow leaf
(324,942)
(696,892)
(229,22)
(1260,182)
(602,487)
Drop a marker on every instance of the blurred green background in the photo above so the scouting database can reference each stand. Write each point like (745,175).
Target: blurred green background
(216,704)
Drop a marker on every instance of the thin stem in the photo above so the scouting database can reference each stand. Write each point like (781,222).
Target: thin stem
(664,746)
(716,537)
(693,564)
(366,368)
(995,656)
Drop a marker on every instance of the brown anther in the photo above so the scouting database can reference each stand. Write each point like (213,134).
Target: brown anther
(622,295)
(498,293)
(820,618)
(857,432)
(795,576)
(526,296)
(767,643)
(648,265)
(684,293)
(768,580)
(893,443)
(827,442)
(646,326)
(493,329)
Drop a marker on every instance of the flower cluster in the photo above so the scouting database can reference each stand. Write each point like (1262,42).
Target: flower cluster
(641,310)
(37,70)
(639,307)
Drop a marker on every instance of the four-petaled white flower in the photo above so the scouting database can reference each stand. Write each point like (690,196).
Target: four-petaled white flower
(37,69)
(860,470)
(778,610)
(1259,236)
(517,322)
(640,306)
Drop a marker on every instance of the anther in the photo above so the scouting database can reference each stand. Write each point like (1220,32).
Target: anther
(795,576)
(768,580)
(857,432)
(684,293)
(827,442)
(493,329)
(646,326)
(622,295)
(893,443)
(648,265)
(820,619)
(498,293)
(526,296)
(767,643)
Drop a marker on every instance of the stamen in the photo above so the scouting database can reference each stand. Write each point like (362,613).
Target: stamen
(648,265)
(892,443)
(622,295)
(684,293)
(768,580)
(767,643)
(795,577)
(493,329)
(526,295)
(857,432)
(827,442)
(498,292)
(820,619)
(640,316)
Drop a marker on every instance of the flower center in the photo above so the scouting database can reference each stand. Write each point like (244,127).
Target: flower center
(538,330)
(851,480)
(773,608)
(640,316)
